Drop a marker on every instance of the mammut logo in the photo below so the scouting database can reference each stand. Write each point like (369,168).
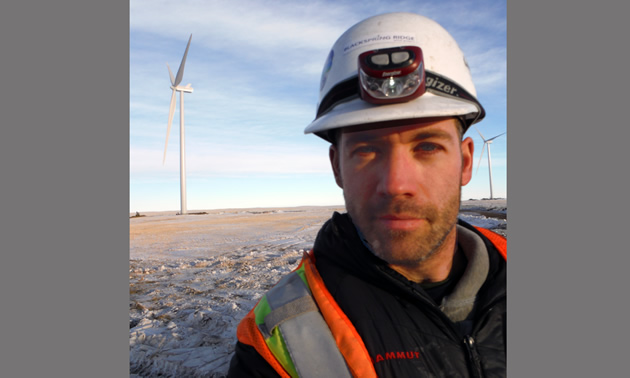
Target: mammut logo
(397,356)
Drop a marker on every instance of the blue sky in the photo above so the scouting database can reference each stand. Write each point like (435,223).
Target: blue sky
(255,68)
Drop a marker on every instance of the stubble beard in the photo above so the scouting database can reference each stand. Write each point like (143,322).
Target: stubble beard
(406,248)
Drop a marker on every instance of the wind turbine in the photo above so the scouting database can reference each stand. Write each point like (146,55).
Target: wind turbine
(487,142)
(182,146)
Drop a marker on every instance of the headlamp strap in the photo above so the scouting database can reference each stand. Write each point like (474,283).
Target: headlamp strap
(441,86)
(436,84)
(344,91)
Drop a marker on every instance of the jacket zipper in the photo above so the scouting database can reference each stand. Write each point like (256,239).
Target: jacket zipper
(471,345)
(473,356)
(469,341)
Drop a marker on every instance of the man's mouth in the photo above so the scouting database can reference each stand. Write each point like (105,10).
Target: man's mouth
(400,222)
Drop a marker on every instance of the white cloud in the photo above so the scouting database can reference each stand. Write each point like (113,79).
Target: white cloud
(248,24)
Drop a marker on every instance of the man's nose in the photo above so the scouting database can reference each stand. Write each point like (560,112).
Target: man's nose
(399,174)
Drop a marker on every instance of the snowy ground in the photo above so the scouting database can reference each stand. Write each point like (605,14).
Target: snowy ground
(192,278)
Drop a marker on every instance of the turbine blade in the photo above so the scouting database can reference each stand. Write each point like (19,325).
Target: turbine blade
(480,156)
(180,71)
(496,136)
(482,137)
(170,73)
(171,112)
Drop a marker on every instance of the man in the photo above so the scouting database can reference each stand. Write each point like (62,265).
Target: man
(397,287)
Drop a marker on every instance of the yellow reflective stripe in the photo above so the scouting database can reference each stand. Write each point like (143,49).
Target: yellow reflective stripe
(275,342)
(279,349)
(290,308)
(300,272)
(261,310)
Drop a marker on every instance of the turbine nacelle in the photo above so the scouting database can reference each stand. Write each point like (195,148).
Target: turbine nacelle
(179,88)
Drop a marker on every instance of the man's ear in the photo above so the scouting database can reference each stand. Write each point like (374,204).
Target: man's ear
(468,147)
(333,153)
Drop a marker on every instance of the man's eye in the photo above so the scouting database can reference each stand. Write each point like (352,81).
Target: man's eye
(427,147)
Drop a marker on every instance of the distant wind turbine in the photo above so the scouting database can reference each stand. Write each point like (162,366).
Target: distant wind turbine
(487,142)
(182,146)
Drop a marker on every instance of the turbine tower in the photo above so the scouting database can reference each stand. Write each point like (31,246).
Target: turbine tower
(487,142)
(182,145)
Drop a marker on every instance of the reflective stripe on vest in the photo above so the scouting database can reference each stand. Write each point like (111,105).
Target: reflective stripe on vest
(296,333)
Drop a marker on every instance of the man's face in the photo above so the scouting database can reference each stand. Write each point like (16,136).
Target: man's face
(402,185)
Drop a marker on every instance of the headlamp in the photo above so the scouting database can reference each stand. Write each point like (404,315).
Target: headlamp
(391,75)
(395,75)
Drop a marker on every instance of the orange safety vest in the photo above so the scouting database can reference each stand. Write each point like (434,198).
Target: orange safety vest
(268,341)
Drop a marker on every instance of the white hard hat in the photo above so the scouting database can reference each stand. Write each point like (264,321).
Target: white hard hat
(450,91)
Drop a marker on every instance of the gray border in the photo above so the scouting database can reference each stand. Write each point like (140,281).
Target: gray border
(64,157)
(567,189)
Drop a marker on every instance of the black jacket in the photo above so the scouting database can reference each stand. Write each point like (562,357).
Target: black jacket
(404,331)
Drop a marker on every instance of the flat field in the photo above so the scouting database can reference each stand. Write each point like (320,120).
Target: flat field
(193,277)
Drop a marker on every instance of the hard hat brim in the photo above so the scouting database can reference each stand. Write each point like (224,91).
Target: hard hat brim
(358,112)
